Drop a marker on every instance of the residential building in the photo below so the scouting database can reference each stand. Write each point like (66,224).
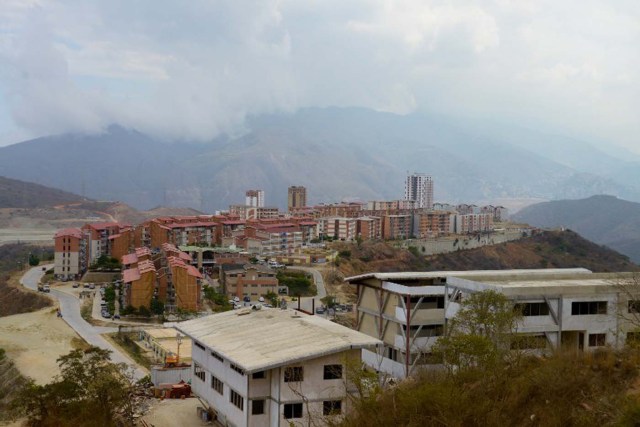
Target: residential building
(568,308)
(272,367)
(419,187)
(393,205)
(296,197)
(397,226)
(473,223)
(162,342)
(70,253)
(339,228)
(254,198)
(435,223)
(253,213)
(98,235)
(249,280)
(369,227)
(139,283)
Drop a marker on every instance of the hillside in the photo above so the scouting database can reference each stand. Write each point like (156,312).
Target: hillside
(606,220)
(548,249)
(21,194)
(336,152)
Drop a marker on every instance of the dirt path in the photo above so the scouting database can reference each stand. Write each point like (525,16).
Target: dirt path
(35,340)
(174,413)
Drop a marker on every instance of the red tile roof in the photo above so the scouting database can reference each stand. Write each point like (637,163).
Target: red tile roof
(130,275)
(129,259)
(69,232)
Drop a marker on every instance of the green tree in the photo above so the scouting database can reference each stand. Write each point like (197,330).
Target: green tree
(272,297)
(329,301)
(33,260)
(480,334)
(90,391)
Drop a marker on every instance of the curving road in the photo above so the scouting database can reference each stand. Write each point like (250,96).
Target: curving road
(70,308)
(318,280)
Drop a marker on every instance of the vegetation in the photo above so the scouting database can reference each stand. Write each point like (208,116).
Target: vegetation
(10,381)
(218,298)
(489,385)
(127,342)
(329,301)
(298,282)
(21,194)
(90,391)
(105,262)
(548,249)
(272,298)
(33,260)
(110,298)
(14,299)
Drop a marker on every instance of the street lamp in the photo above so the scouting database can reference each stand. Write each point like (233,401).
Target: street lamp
(179,341)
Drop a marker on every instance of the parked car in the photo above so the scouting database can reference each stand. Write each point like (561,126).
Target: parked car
(92,286)
(46,288)
(86,286)
(320,310)
(106,314)
(44,268)
(75,285)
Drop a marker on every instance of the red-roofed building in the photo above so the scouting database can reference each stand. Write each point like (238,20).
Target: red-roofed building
(139,284)
(98,238)
(70,253)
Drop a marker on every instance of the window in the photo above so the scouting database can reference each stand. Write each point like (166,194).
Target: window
(597,340)
(532,309)
(217,385)
(197,344)
(236,399)
(258,375)
(588,307)
(237,369)
(293,374)
(332,372)
(292,410)
(331,407)
(217,356)
(257,407)
(198,371)
(634,306)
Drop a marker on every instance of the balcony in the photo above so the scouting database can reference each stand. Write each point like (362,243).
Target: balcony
(420,316)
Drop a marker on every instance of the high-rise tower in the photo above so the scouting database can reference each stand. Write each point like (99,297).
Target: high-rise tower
(297,197)
(419,187)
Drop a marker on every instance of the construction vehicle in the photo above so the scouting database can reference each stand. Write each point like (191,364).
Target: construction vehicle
(171,360)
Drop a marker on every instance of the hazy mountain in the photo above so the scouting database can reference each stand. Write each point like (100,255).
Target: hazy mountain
(336,153)
(604,219)
(21,194)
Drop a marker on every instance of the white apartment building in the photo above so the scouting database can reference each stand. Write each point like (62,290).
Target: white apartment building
(254,198)
(419,187)
(569,308)
(272,367)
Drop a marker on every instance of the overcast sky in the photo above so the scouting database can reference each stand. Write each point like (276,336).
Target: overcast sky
(192,69)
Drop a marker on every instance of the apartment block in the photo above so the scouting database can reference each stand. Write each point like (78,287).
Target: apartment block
(397,226)
(70,253)
(473,223)
(393,205)
(254,198)
(419,187)
(139,283)
(98,235)
(254,213)
(435,223)
(369,227)
(242,280)
(338,228)
(296,197)
(272,367)
(573,309)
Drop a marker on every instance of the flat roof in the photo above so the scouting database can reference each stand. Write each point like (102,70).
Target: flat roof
(256,340)
(417,275)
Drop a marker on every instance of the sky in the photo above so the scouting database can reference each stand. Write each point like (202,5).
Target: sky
(191,70)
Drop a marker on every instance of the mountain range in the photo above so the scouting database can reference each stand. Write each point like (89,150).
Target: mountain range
(606,220)
(337,153)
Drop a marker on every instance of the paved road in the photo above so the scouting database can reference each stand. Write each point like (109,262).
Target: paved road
(305,303)
(70,307)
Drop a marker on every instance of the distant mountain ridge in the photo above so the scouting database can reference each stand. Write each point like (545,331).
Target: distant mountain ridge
(20,194)
(335,152)
(603,219)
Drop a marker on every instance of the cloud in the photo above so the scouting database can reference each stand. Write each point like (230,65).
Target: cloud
(192,70)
